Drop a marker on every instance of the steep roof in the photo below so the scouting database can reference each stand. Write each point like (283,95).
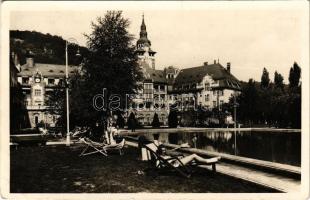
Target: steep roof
(157,76)
(47,70)
(216,71)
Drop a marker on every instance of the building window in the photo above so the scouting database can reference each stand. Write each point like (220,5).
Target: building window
(51,81)
(148,90)
(25,80)
(221,102)
(221,93)
(60,82)
(207,87)
(207,97)
(36,120)
(37,92)
(214,104)
(214,92)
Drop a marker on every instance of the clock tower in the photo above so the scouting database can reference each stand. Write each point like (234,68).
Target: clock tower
(37,90)
(146,56)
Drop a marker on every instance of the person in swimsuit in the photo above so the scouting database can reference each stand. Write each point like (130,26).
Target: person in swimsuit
(186,159)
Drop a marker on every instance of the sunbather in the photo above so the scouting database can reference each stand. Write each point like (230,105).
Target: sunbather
(186,159)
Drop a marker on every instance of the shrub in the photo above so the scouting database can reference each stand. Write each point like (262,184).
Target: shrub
(173,119)
(155,122)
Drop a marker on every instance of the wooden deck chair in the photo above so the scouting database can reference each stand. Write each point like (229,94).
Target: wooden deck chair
(93,147)
(162,162)
(117,146)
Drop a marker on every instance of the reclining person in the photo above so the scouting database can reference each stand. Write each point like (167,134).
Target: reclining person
(186,159)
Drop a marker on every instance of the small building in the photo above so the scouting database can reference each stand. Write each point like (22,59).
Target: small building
(38,81)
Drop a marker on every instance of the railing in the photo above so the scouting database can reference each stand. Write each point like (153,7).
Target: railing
(159,91)
(37,107)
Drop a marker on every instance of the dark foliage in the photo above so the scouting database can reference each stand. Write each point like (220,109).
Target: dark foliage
(47,48)
(278,80)
(294,75)
(277,106)
(155,122)
(132,122)
(120,122)
(265,80)
(173,119)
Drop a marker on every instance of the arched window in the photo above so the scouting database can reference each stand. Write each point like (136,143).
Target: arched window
(36,120)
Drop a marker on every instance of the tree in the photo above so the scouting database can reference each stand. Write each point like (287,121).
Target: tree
(57,102)
(173,119)
(278,80)
(110,64)
(294,76)
(265,79)
(120,120)
(155,122)
(248,103)
(131,121)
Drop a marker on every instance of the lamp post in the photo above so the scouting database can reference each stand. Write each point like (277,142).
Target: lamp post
(68,42)
(235,121)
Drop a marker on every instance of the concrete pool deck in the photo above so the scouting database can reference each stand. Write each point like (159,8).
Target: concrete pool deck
(198,130)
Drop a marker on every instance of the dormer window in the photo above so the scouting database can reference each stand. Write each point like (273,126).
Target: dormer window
(51,81)
(50,70)
(61,71)
(60,82)
(25,80)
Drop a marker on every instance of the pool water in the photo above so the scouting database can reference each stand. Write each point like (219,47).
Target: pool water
(280,147)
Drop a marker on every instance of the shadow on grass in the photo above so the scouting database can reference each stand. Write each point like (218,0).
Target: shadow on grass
(60,169)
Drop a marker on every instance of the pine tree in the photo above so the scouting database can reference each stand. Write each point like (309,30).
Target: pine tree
(265,79)
(155,122)
(131,121)
(173,119)
(278,80)
(294,76)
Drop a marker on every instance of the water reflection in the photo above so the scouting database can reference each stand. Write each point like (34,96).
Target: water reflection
(270,146)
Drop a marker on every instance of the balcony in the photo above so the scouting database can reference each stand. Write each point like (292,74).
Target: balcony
(159,91)
(38,107)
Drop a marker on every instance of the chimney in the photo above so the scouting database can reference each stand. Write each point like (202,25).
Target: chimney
(29,59)
(228,67)
(205,63)
(214,61)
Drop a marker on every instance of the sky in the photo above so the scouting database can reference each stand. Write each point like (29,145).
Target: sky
(249,36)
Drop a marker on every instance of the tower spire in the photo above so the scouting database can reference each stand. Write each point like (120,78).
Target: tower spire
(143,34)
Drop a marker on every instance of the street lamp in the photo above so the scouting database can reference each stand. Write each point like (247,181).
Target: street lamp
(235,121)
(68,42)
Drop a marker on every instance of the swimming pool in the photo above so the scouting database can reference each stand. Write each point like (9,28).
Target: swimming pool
(275,146)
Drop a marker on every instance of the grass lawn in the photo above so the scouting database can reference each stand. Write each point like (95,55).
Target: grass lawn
(59,169)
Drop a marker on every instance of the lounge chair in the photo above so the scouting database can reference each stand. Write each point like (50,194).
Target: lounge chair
(93,147)
(164,162)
